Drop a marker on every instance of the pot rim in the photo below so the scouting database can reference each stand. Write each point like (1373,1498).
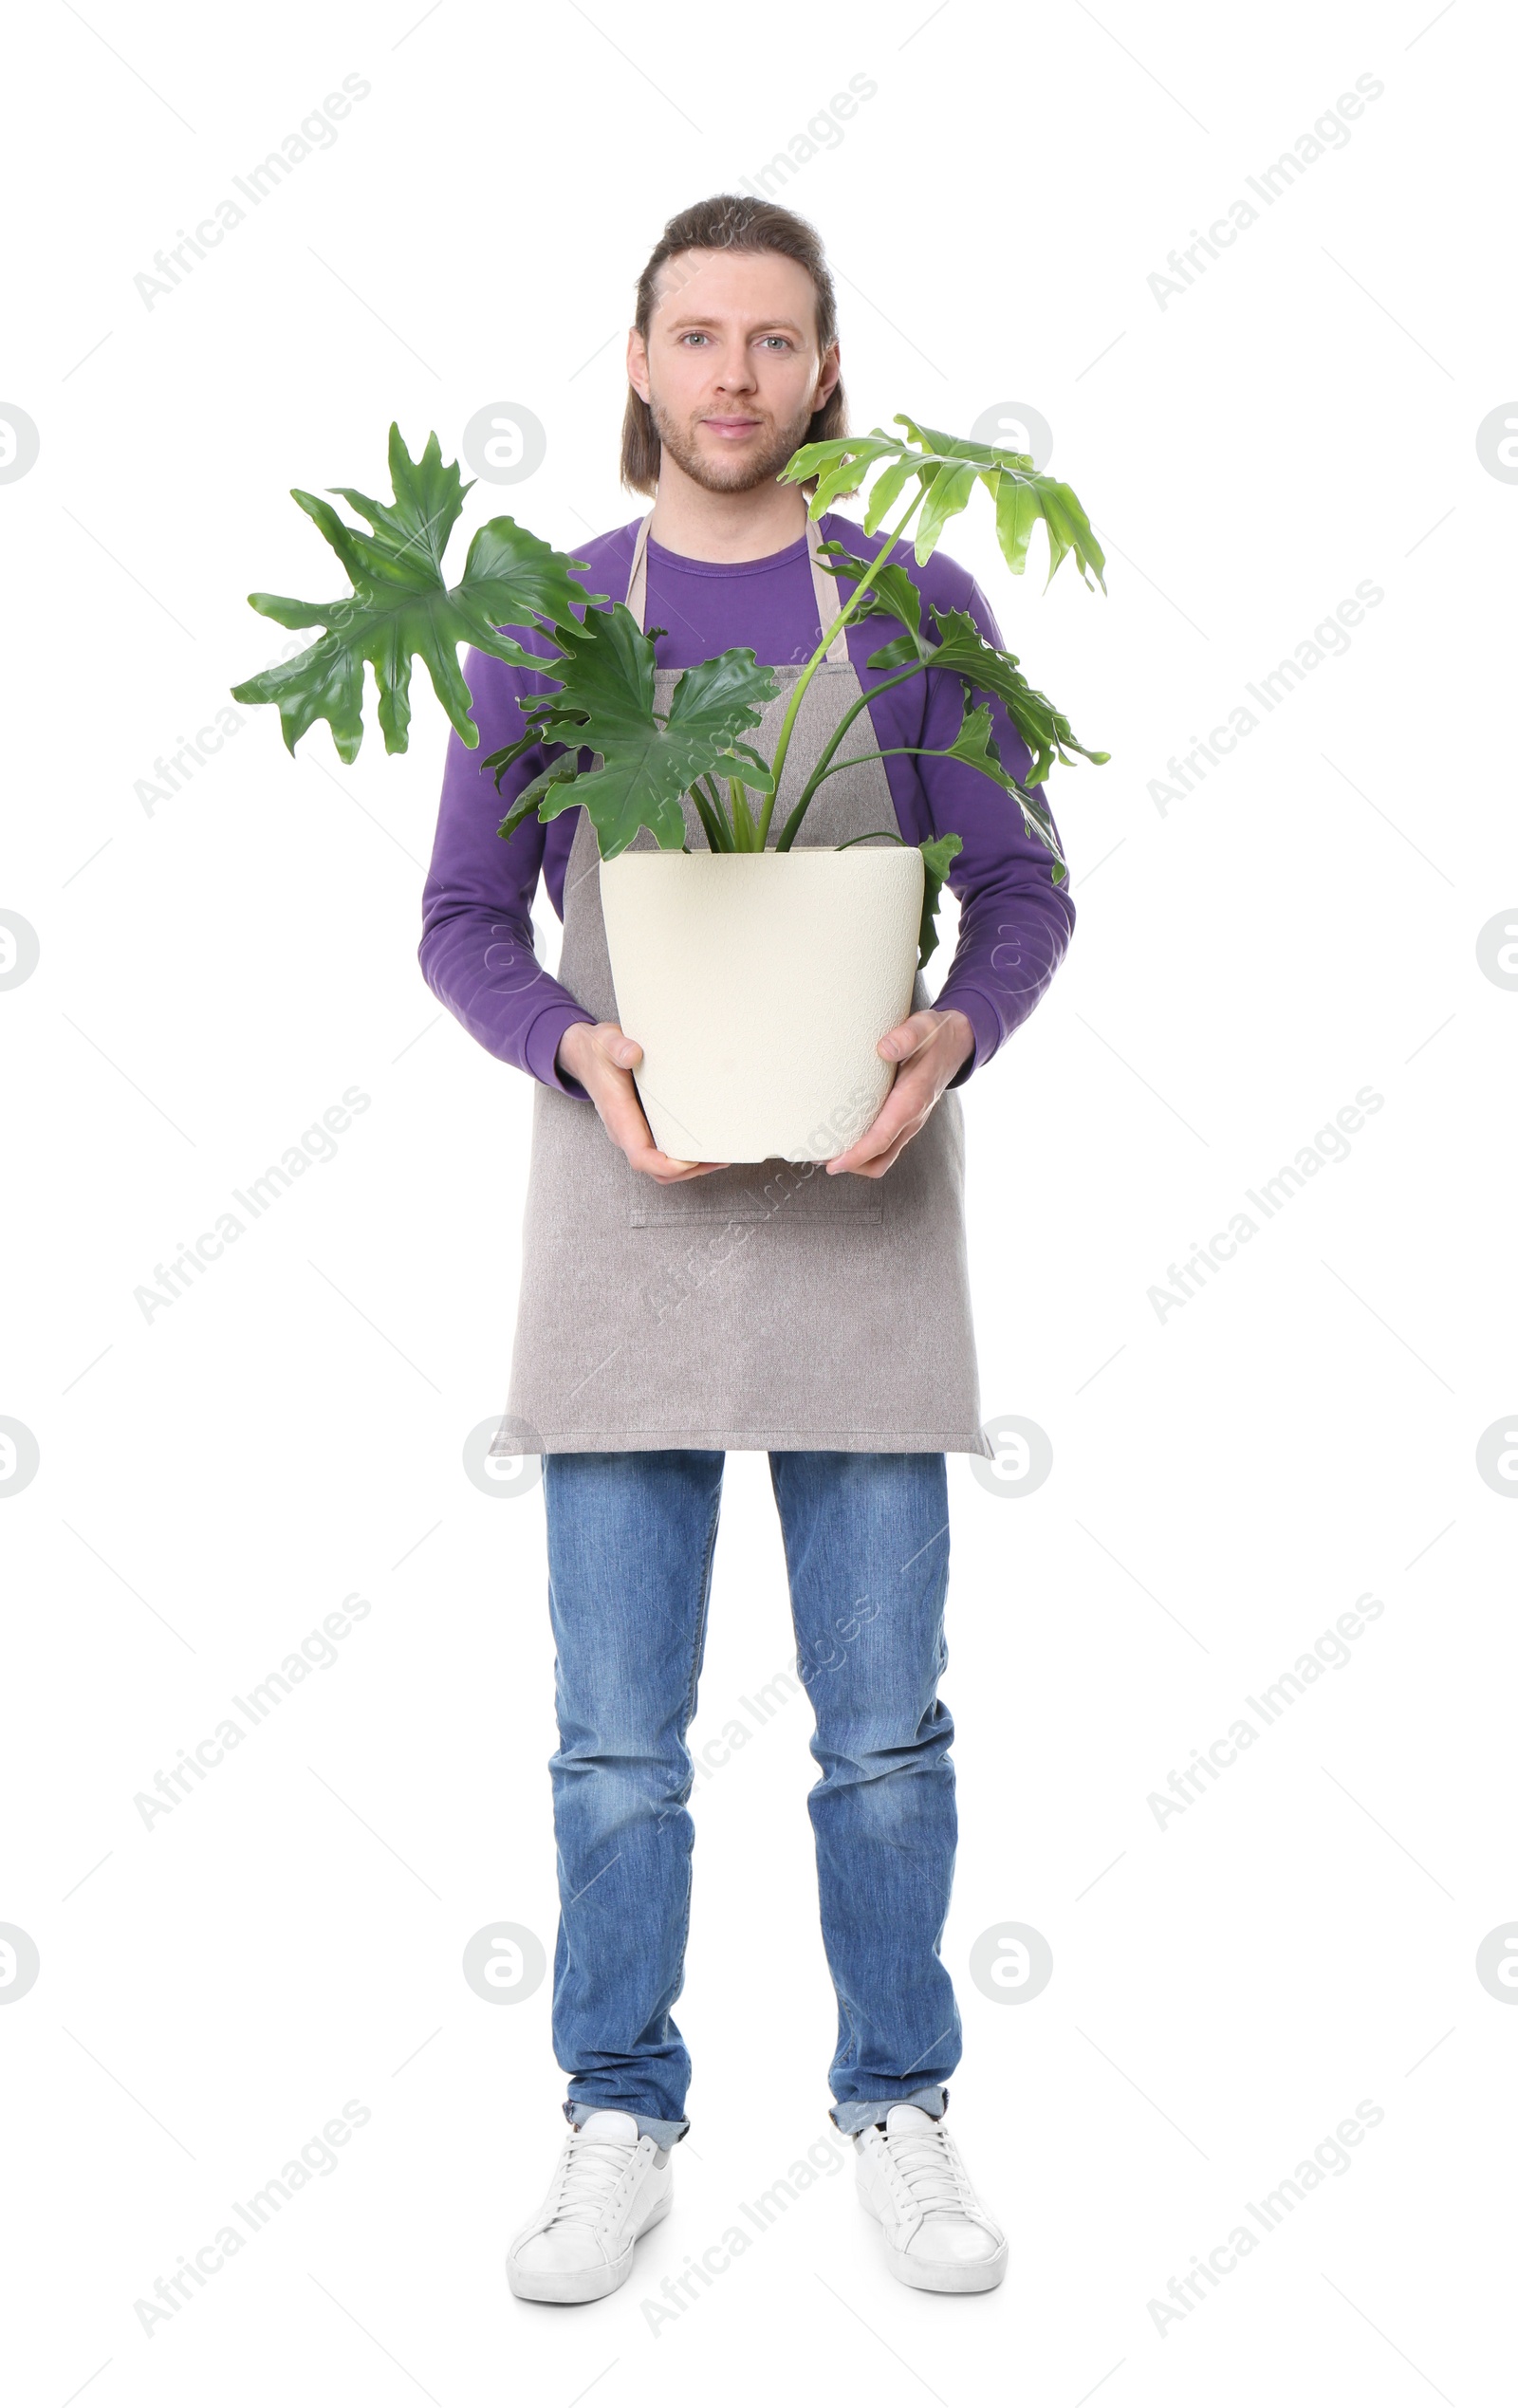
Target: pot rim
(796,853)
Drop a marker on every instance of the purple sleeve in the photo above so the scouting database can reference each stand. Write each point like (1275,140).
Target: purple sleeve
(1014,922)
(476,950)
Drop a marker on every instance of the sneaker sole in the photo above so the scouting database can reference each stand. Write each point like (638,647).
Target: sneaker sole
(969,2274)
(577,2285)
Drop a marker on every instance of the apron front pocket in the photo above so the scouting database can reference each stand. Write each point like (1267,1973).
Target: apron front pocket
(759,1192)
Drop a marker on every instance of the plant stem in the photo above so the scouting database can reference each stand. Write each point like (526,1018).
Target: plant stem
(716,836)
(743,825)
(810,672)
(787,834)
(719,807)
(1037,822)
(855,758)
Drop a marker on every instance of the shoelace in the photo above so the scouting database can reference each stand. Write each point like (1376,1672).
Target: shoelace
(587,2178)
(927,2164)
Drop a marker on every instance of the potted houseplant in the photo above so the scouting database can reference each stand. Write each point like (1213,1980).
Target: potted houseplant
(685,925)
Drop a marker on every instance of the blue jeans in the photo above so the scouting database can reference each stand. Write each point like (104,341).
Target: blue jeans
(630,1543)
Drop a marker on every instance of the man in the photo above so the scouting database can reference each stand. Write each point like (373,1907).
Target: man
(671,1309)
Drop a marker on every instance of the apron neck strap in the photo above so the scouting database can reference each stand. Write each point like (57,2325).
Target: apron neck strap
(828,590)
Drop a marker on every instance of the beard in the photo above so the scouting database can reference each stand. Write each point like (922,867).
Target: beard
(737,476)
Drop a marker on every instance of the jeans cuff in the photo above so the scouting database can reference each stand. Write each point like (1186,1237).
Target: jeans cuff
(660,2127)
(853,2115)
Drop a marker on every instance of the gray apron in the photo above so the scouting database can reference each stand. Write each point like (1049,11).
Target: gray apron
(768,1305)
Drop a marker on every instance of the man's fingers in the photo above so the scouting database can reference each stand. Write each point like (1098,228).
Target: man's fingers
(667,1168)
(899,1118)
(923,1070)
(906,1037)
(680,1171)
(606,1075)
(617,1099)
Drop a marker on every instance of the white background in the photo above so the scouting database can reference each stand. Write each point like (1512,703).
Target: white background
(1227,1480)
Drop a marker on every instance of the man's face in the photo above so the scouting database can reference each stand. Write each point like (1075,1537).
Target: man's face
(731,370)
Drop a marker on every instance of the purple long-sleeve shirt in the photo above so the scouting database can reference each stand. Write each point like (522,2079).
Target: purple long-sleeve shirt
(476,950)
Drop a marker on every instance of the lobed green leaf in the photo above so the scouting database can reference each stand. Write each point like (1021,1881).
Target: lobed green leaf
(401,608)
(604,702)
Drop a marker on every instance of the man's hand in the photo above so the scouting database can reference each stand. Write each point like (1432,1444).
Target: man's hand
(602,1058)
(928,1048)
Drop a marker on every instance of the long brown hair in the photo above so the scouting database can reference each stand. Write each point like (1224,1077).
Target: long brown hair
(732,221)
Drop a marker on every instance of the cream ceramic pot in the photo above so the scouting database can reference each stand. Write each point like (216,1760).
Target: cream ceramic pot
(759,986)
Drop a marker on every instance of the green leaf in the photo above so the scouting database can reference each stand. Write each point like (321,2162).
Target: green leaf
(500,762)
(839,465)
(883,493)
(948,468)
(982,668)
(561,772)
(1004,473)
(605,700)
(950,488)
(892,592)
(938,446)
(938,852)
(976,745)
(895,597)
(980,665)
(401,608)
(1061,505)
(742,762)
(1017,514)
(900,652)
(511,578)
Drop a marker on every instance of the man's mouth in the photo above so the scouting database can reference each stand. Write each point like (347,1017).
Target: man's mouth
(730,427)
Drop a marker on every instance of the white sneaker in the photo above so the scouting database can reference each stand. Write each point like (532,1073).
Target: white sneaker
(609,2187)
(910,2178)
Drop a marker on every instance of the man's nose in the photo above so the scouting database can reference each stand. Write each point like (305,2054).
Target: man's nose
(735,372)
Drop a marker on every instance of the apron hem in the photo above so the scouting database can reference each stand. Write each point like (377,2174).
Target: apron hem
(764,1441)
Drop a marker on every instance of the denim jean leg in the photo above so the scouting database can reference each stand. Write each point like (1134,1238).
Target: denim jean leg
(631,1536)
(665,2130)
(858,2113)
(867,1552)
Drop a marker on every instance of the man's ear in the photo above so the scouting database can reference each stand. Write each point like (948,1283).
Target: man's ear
(832,368)
(638,364)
